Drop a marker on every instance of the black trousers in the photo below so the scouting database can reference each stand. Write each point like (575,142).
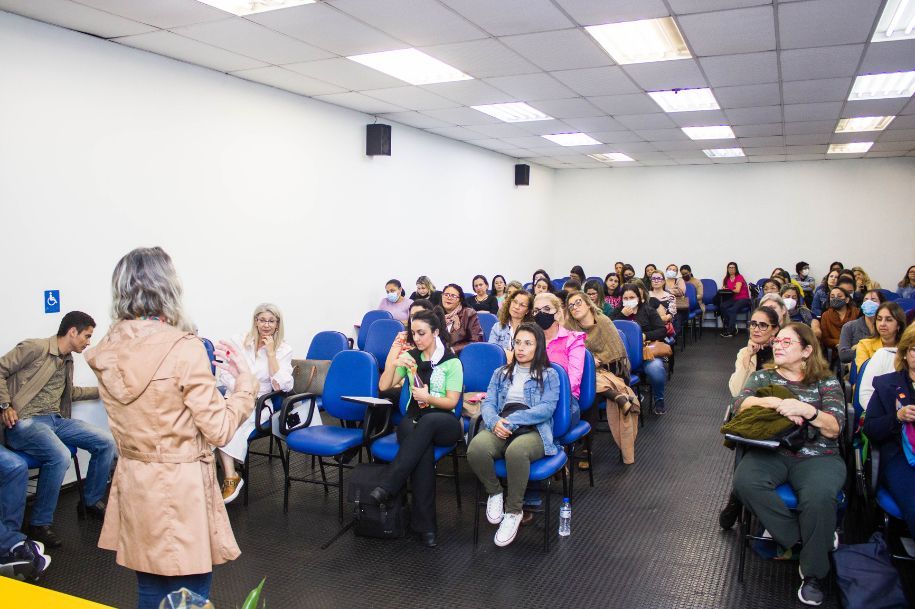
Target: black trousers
(416,460)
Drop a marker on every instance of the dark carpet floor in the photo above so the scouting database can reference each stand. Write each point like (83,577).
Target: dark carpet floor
(645,535)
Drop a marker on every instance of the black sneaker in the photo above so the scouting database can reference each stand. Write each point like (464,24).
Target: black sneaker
(812,591)
(726,334)
(41,560)
(730,513)
(659,407)
(24,561)
(45,535)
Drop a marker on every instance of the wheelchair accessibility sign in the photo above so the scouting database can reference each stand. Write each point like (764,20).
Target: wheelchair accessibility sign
(52,301)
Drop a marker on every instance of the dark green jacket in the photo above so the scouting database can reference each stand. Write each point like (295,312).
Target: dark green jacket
(759,422)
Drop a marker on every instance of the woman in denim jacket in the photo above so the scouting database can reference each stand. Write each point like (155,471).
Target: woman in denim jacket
(518,416)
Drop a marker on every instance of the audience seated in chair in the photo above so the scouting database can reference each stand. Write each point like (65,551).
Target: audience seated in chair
(739,292)
(863,327)
(563,347)
(515,310)
(686,271)
(635,309)
(20,557)
(889,324)
(482,300)
(462,321)
(841,311)
(426,289)
(499,289)
(793,298)
(907,284)
(612,293)
(821,294)
(594,289)
(394,301)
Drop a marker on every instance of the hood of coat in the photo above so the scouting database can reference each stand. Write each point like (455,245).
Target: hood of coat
(128,357)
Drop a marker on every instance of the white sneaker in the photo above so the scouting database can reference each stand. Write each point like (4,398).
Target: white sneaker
(508,529)
(494,508)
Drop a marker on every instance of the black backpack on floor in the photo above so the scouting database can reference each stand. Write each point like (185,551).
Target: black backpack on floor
(371,520)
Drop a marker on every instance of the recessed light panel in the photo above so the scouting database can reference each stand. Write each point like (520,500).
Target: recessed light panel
(723,153)
(572,139)
(883,86)
(611,157)
(641,41)
(514,112)
(863,123)
(250,7)
(897,22)
(412,66)
(852,148)
(718,132)
(685,100)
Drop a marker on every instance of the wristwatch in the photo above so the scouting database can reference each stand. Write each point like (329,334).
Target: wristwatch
(4,406)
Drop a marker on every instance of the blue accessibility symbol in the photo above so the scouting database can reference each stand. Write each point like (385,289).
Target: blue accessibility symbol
(52,301)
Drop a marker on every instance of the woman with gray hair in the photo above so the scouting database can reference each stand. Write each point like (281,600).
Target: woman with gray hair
(165,517)
(270,360)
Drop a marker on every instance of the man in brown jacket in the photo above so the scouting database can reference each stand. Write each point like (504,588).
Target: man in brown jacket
(36,391)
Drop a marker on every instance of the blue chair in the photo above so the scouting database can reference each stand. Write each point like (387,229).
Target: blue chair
(907,304)
(889,294)
(487,321)
(528,286)
(709,290)
(541,469)
(558,283)
(367,320)
(327,344)
(380,337)
(33,463)
(888,506)
(480,360)
(211,353)
(694,315)
(582,430)
(267,404)
(631,334)
(351,373)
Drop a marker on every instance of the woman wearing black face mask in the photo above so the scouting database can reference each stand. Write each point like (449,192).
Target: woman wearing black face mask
(629,275)
(841,311)
(563,347)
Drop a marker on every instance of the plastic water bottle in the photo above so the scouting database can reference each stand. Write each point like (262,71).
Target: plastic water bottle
(565,518)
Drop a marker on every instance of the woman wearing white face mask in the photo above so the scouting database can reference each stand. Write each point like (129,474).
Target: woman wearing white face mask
(807,283)
(394,301)
(794,302)
(864,327)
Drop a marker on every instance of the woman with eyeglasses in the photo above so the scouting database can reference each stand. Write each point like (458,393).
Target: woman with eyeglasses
(595,291)
(660,299)
(515,311)
(426,289)
(816,471)
(563,347)
(394,301)
(462,322)
(735,287)
(855,331)
(635,309)
(270,359)
(821,294)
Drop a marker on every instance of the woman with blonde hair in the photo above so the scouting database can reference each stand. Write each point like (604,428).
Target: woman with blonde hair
(165,518)
(270,359)
(863,282)
(426,289)
(514,311)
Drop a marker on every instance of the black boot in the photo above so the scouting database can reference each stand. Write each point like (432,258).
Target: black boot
(730,513)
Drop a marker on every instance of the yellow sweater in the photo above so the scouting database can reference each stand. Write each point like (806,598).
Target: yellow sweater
(865,348)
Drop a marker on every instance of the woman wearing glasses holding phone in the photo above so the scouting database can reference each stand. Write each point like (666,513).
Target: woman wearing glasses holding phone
(270,360)
(462,321)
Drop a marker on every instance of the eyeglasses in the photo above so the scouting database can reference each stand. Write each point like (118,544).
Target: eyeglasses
(656,278)
(784,342)
(266,322)
(543,310)
(450,296)
(576,304)
(760,325)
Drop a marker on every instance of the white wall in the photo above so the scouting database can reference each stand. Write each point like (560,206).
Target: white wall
(761,215)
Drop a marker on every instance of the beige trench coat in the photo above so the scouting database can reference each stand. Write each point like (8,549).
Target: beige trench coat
(165,513)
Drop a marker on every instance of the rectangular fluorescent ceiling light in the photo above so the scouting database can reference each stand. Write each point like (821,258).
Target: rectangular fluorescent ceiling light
(250,7)
(719,132)
(611,157)
(513,112)
(572,139)
(412,66)
(723,153)
(883,86)
(897,22)
(641,41)
(685,100)
(863,123)
(853,148)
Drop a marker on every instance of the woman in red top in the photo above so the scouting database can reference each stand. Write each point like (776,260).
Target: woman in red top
(734,282)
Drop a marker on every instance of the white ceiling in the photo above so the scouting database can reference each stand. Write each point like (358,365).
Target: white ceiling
(780,70)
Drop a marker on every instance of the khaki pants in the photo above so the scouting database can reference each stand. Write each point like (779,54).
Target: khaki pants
(486,447)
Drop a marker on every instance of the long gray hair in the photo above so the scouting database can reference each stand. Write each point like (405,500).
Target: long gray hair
(145,284)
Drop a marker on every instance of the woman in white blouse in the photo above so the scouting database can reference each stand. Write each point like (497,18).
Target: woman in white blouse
(270,360)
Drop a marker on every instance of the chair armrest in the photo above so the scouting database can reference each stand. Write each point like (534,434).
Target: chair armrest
(874,469)
(263,404)
(288,403)
(375,408)
(475,422)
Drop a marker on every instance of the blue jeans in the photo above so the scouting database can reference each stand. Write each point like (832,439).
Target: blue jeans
(46,438)
(153,588)
(14,475)
(657,376)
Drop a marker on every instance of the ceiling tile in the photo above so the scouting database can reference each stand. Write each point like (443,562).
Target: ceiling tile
(683,7)
(819,23)
(544,127)
(727,32)
(534,142)
(908,108)
(903,122)
(636,147)
(413,119)
(345,73)
(559,50)
(774,158)
(670,145)
(637,103)
(662,135)
(750,151)
(76,17)
(325,27)
(746,69)
(590,82)
(904,146)
(699,118)
(567,108)
(252,40)
(813,149)
(470,92)
(162,13)
(482,58)
(898,135)
(805,157)
(191,51)
(615,137)
(845,138)
(810,91)
(807,139)
(596,12)
(412,98)
(360,102)
(763,130)
(897,56)
(531,87)
(416,22)
(812,112)
(462,116)
(874,107)
(809,127)
(762,142)
(754,116)
(646,121)
(507,17)
(745,96)
(595,123)
(824,62)
(499,130)
(457,133)
(876,154)
(663,75)
(289,81)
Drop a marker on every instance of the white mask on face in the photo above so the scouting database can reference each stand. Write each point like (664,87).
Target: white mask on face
(631,303)
(790,303)
(670,274)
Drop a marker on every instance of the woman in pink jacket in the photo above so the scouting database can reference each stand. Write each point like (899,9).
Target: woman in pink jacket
(165,518)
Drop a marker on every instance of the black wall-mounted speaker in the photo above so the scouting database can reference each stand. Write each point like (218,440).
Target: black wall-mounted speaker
(522,175)
(378,140)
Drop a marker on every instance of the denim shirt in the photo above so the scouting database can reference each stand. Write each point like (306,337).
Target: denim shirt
(501,334)
(542,405)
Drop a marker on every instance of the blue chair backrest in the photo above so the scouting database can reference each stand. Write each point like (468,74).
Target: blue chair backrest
(487,321)
(480,360)
(353,373)
(211,352)
(558,283)
(380,337)
(598,279)
(709,289)
(856,399)
(691,297)
(760,282)
(367,320)
(890,295)
(562,416)
(327,344)
(853,372)
(907,304)
(588,388)
(632,339)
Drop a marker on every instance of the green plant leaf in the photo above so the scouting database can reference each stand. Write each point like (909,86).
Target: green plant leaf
(254,596)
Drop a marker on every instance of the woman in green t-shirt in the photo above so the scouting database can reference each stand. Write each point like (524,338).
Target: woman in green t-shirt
(436,379)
